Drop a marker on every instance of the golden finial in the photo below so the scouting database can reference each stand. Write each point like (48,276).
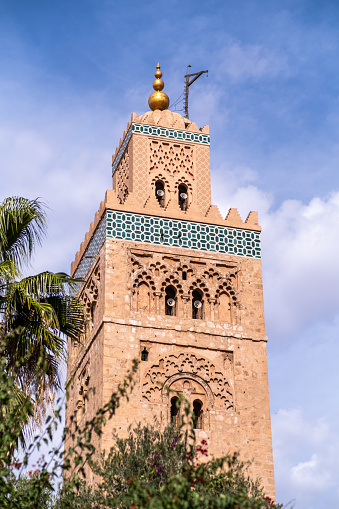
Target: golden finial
(158,100)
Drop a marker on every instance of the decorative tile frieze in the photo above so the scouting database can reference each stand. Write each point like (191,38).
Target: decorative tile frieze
(169,232)
(172,134)
(183,234)
(92,249)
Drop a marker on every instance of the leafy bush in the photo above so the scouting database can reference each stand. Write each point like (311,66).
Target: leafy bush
(151,468)
(163,469)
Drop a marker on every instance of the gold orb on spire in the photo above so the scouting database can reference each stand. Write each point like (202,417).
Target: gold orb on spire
(158,100)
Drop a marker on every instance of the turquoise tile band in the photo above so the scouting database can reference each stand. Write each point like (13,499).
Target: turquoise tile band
(172,134)
(187,234)
(170,232)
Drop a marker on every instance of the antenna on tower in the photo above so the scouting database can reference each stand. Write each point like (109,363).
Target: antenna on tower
(188,84)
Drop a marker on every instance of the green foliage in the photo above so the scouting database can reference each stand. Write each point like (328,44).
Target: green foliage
(32,491)
(37,312)
(151,468)
(161,469)
(150,455)
(22,490)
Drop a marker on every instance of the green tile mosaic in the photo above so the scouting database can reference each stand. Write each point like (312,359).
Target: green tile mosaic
(92,249)
(169,232)
(173,134)
(187,234)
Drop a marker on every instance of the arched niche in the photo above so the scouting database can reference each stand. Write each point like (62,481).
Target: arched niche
(170,301)
(197,305)
(160,194)
(143,298)
(183,196)
(224,308)
(177,383)
(196,392)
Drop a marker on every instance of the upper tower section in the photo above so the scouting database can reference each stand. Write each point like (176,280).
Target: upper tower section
(163,159)
(162,191)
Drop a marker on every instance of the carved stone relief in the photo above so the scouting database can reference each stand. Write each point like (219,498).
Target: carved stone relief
(187,366)
(90,295)
(83,384)
(171,158)
(122,177)
(217,287)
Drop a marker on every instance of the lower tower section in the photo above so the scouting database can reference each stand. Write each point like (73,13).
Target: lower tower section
(195,320)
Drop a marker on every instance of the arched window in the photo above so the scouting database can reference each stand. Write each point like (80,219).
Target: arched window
(197,305)
(197,414)
(170,301)
(175,411)
(160,192)
(182,197)
(144,355)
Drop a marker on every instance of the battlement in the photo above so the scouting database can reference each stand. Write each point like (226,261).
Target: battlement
(175,215)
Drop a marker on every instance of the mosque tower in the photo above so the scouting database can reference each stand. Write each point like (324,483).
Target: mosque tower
(171,282)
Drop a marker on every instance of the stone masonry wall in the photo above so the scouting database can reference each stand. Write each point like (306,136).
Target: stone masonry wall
(226,362)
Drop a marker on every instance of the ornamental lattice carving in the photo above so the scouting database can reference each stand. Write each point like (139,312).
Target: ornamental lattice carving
(90,294)
(187,365)
(121,176)
(203,178)
(171,158)
(140,168)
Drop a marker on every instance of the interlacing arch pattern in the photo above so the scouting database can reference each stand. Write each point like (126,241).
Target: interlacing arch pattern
(163,179)
(90,292)
(199,284)
(185,182)
(171,280)
(187,365)
(143,276)
(89,296)
(227,287)
(121,178)
(218,290)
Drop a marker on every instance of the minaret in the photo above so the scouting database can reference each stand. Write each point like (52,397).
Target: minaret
(171,282)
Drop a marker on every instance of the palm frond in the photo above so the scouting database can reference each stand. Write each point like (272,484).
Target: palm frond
(22,226)
(8,272)
(71,315)
(36,312)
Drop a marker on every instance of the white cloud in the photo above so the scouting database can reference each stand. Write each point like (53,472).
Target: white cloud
(300,253)
(63,157)
(300,243)
(306,460)
(242,61)
(235,187)
(300,246)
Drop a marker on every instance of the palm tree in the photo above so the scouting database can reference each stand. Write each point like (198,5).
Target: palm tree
(37,313)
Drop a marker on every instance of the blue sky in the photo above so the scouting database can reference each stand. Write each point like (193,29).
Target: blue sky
(71,75)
